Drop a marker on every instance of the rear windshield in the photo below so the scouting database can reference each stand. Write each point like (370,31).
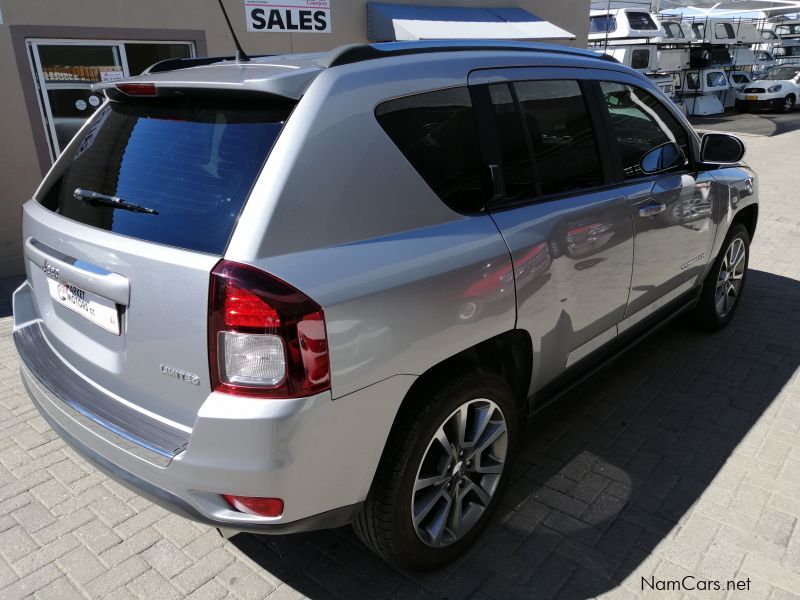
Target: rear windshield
(194,163)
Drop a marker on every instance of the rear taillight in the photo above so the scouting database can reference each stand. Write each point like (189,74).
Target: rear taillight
(259,507)
(265,338)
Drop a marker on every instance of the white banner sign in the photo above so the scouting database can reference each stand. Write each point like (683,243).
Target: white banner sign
(302,16)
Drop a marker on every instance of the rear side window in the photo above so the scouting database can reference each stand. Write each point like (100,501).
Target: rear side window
(561,136)
(437,133)
(602,24)
(192,163)
(715,79)
(639,123)
(640,59)
(641,21)
(673,30)
(724,31)
(517,167)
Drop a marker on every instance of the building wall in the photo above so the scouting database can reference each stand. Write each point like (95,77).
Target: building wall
(24,157)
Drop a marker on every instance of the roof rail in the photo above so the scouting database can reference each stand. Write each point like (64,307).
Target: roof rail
(172,64)
(353,53)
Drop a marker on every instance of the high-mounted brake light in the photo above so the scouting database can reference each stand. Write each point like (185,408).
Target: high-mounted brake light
(137,89)
(265,338)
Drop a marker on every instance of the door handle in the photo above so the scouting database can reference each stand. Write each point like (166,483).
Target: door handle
(652,209)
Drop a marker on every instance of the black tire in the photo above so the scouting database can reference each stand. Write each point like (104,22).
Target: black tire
(788,104)
(706,314)
(386,525)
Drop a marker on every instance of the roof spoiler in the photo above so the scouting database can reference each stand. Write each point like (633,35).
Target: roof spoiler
(173,64)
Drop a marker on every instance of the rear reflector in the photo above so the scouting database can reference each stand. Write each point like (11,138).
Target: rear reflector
(265,338)
(137,89)
(259,507)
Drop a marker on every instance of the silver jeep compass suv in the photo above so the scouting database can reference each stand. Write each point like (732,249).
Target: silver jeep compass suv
(316,289)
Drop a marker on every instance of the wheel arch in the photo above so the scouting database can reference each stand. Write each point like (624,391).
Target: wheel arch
(508,355)
(747,216)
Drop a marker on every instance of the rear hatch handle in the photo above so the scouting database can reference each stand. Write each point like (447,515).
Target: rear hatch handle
(62,267)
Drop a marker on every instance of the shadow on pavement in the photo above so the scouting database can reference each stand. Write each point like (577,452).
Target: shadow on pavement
(7,287)
(767,124)
(600,485)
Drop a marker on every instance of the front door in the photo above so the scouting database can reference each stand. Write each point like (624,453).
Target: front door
(672,212)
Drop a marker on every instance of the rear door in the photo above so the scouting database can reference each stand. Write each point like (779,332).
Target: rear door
(672,212)
(122,290)
(568,229)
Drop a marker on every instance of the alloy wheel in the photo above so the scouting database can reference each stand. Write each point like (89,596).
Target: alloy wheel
(459,473)
(731,274)
(788,104)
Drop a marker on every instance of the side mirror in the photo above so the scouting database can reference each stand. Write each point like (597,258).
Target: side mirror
(721,149)
(662,158)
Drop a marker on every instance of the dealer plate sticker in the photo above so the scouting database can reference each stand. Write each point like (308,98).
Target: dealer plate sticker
(298,16)
(98,310)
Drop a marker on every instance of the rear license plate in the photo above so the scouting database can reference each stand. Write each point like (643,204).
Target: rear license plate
(751,97)
(98,310)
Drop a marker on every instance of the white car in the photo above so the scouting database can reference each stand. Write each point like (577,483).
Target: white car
(778,90)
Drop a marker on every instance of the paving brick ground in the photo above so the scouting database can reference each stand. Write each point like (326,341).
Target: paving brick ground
(681,460)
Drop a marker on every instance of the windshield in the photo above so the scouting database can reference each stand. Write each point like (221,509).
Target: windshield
(781,73)
(192,163)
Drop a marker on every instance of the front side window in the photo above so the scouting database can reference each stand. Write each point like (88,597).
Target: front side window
(693,80)
(640,59)
(437,134)
(561,137)
(724,31)
(639,123)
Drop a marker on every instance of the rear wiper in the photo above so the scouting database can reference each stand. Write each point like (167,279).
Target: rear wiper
(97,198)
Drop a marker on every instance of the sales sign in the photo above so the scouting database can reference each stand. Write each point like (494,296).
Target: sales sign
(302,16)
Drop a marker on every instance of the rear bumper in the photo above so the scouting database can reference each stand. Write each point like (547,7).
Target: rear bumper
(318,455)
(333,518)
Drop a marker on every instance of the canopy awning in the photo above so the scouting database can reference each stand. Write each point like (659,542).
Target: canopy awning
(403,22)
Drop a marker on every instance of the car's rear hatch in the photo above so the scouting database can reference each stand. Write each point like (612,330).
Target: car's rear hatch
(122,290)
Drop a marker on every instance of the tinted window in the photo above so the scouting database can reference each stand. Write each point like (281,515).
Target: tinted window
(699,30)
(517,167)
(602,24)
(192,163)
(640,59)
(560,134)
(639,123)
(693,81)
(724,31)
(436,132)
(641,21)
